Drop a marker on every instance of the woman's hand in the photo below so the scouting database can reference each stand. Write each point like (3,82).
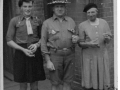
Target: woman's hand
(93,43)
(106,37)
(33,47)
(28,53)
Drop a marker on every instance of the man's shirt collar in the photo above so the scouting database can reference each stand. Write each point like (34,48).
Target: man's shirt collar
(56,18)
(22,17)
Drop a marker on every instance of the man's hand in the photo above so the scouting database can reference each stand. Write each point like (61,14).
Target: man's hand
(28,53)
(50,65)
(75,38)
(33,47)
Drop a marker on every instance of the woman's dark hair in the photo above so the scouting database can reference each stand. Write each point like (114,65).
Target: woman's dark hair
(20,3)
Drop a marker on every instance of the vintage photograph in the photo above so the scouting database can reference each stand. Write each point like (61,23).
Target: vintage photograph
(58,45)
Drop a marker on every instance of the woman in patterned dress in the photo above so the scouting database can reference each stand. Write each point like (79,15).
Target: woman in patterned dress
(94,35)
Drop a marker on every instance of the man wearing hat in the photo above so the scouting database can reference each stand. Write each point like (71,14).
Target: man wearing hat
(57,45)
(94,35)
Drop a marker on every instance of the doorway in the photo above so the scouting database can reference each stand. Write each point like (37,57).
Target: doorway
(8,13)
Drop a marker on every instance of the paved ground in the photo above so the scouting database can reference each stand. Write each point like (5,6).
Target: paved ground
(10,85)
(43,85)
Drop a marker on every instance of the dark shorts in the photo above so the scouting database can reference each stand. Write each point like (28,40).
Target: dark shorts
(28,69)
(64,67)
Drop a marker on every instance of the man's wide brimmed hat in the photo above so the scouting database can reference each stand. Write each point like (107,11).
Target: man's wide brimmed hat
(58,2)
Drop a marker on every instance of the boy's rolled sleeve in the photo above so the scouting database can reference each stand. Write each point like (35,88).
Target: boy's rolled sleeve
(11,30)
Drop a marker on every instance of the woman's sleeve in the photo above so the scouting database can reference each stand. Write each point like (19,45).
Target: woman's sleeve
(82,43)
(108,32)
(81,33)
(107,29)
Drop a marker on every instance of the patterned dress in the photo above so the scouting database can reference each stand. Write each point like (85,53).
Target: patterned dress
(95,61)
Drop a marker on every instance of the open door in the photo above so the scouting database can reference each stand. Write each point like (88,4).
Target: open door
(8,13)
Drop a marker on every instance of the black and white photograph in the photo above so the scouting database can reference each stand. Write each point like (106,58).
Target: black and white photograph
(59,45)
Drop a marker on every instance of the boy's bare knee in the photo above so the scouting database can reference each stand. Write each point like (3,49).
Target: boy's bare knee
(34,86)
(23,86)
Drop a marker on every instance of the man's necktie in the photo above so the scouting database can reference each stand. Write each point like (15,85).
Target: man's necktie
(29,27)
